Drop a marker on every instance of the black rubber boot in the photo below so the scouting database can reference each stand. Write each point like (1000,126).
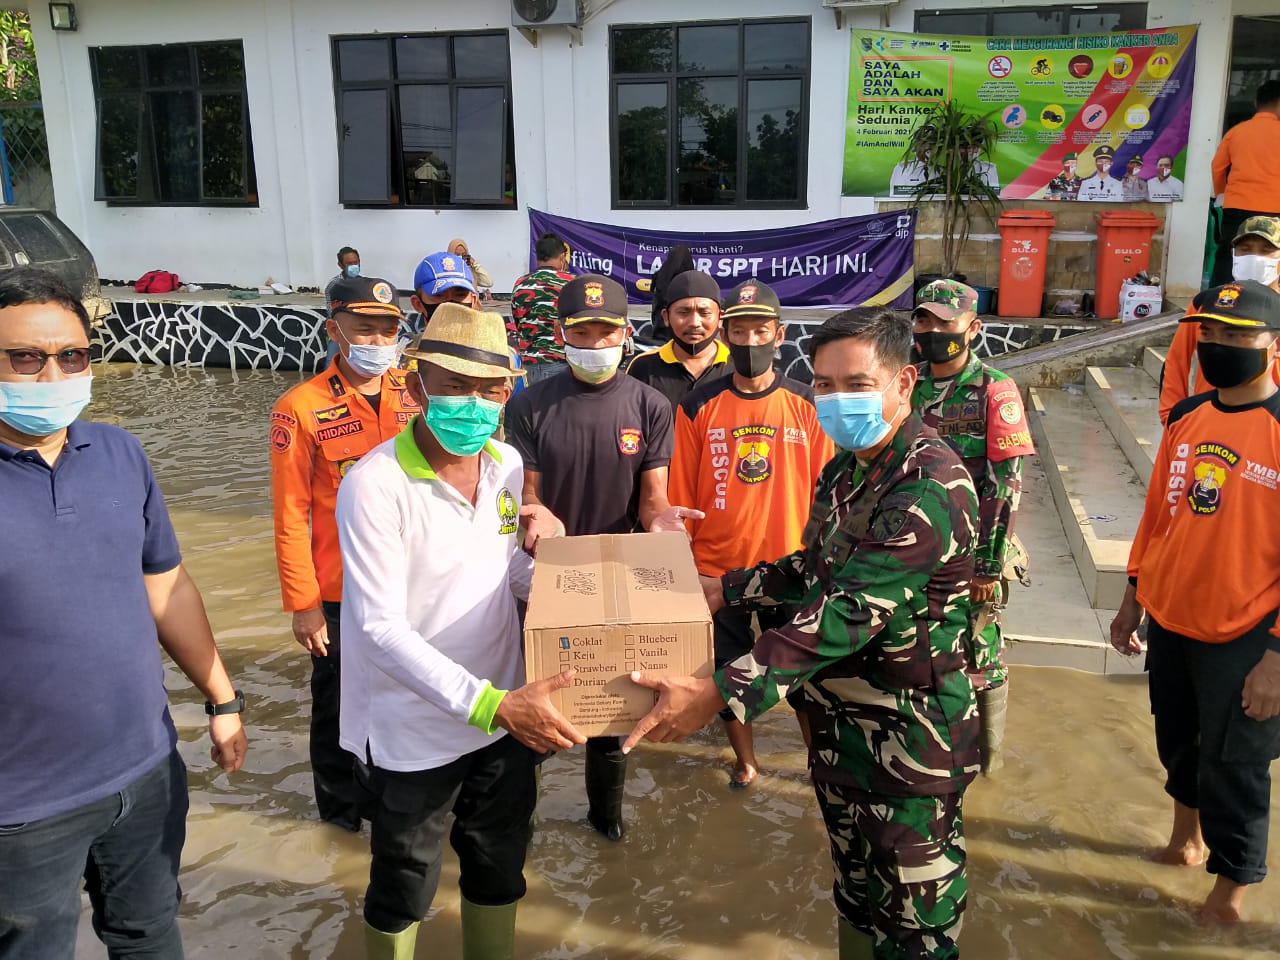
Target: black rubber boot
(606,777)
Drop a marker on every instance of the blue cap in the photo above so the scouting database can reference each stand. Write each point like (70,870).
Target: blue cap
(442,271)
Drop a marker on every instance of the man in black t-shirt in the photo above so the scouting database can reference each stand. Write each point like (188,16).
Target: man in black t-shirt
(695,354)
(596,446)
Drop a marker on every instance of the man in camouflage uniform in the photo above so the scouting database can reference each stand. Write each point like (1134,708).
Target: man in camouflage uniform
(882,583)
(1066,185)
(979,412)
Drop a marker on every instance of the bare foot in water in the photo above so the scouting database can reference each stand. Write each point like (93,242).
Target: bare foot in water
(1222,906)
(1189,853)
(744,774)
(1186,843)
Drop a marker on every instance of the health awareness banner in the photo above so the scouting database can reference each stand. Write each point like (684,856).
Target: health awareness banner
(854,261)
(1097,117)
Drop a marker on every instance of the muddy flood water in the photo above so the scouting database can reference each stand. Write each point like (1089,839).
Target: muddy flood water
(1055,840)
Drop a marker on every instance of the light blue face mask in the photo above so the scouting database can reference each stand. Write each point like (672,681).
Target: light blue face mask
(372,360)
(352,270)
(39,408)
(853,421)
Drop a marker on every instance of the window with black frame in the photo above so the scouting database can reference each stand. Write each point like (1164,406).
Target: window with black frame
(710,114)
(173,125)
(1067,18)
(424,120)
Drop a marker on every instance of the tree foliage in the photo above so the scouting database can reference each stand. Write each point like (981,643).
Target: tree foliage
(18,76)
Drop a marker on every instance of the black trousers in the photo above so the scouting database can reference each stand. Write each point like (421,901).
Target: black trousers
(331,766)
(1217,759)
(1231,221)
(491,794)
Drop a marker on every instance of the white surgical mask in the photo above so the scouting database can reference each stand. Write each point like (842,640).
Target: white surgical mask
(371,360)
(593,366)
(1254,266)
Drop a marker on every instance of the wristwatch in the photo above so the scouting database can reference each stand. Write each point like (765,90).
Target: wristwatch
(231,706)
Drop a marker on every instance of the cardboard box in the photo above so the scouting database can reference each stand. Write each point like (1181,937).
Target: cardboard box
(609,605)
(1138,301)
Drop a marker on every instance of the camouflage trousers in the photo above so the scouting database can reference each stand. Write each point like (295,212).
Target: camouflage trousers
(985,645)
(900,869)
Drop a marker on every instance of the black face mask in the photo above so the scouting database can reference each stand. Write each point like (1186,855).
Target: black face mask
(754,361)
(693,349)
(1225,366)
(940,347)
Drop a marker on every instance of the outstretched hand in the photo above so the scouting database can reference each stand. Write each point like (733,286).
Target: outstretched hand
(685,705)
(529,716)
(539,524)
(671,520)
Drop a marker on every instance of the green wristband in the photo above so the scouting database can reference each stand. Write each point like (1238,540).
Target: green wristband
(486,705)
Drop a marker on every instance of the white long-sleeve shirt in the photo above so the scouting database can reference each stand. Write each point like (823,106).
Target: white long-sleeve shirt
(428,603)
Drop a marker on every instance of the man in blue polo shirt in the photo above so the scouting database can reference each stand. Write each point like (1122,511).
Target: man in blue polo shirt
(92,788)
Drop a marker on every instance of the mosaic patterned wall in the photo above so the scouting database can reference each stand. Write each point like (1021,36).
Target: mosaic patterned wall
(254,336)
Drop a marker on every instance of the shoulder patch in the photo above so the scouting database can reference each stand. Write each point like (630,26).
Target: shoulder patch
(891,516)
(1008,433)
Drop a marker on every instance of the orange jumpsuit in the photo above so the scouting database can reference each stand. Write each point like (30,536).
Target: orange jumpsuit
(319,429)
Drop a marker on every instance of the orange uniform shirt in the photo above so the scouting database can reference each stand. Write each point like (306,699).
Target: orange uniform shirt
(750,462)
(1182,375)
(319,429)
(1207,552)
(1246,167)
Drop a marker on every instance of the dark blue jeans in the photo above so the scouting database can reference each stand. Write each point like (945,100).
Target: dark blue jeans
(126,847)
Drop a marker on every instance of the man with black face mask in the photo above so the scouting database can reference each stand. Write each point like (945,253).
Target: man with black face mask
(1205,566)
(979,412)
(694,354)
(442,278)
(748,454)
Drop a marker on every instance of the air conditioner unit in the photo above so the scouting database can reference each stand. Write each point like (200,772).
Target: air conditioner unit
(841,7)
(532,14)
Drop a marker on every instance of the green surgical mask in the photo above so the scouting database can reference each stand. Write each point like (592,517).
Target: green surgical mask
(462,425)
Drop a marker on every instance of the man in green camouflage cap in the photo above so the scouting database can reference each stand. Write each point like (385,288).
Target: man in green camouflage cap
(979,412)
(882,586)
(1066,185)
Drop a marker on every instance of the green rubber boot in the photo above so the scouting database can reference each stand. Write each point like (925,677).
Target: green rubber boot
(854,944)
(993,706)
(488,933)
(390,946)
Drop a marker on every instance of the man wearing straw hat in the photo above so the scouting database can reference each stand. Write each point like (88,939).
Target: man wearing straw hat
(434,677)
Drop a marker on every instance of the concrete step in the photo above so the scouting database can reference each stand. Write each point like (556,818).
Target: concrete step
(1098,496)
(1050,623)
(1129,402)
(1153,362)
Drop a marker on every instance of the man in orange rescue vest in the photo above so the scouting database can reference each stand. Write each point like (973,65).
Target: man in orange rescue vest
(319,429)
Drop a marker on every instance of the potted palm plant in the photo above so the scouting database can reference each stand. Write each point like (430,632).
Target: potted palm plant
(951,150)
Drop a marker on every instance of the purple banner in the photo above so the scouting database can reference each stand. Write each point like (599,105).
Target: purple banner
(854,261)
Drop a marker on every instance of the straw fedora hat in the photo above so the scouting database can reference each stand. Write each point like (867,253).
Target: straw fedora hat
(470,342)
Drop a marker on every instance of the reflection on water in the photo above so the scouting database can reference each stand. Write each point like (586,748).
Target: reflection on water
(1054,839)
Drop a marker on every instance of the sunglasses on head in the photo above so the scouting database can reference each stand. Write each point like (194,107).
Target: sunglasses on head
(29,361)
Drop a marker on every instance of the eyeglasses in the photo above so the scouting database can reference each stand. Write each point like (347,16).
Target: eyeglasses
(29,361)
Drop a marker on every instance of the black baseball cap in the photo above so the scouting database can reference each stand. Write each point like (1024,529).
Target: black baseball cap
(692,283)
(592,297)
(1246,304)
(369,296)
(751,298)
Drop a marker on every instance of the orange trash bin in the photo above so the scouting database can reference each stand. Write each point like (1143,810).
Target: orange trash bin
(1024,256)
(1124,250)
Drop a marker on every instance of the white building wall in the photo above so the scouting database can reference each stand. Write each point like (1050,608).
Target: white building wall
(561,110)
